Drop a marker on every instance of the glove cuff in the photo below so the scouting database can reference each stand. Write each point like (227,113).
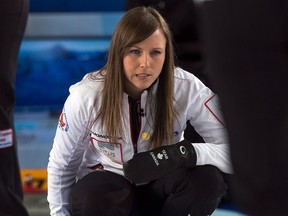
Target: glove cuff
(187,151)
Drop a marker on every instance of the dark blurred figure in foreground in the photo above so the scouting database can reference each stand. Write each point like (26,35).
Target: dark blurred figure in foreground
(13,18)
(246,51)
(182,18)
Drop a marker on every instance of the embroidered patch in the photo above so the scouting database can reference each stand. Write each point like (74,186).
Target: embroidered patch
(213,105)
(6,138)
(63,123)
(111,150)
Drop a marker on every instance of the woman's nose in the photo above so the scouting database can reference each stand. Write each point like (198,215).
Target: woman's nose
(145,61)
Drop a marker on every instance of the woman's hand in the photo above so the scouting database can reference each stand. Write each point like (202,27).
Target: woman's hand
(151,165)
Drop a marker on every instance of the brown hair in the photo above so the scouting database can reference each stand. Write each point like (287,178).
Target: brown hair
(135,26)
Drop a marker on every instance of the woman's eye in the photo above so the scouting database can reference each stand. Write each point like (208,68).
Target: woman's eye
(156,52)
(135,51)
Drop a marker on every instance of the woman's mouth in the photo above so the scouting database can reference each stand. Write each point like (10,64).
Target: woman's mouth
(142,75)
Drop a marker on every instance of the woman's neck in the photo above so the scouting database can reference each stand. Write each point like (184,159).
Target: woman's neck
(133,92)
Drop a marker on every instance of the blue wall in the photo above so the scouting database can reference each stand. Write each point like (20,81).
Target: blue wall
(76,5)
(48,66)
(46,69)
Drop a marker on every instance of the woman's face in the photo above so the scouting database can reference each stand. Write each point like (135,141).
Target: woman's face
(143,63)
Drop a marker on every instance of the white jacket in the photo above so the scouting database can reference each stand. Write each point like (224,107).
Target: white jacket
(73,154)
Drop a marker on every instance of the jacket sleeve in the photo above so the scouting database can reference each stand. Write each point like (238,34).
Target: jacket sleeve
(69,145)
(205,115)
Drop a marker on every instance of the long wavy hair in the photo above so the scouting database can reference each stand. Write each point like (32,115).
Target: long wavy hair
(135,26)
